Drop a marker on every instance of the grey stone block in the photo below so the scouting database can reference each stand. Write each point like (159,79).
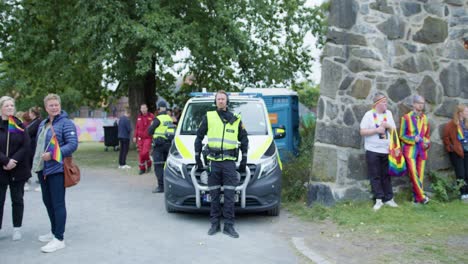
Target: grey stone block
(320,194)
(344,38)
(359,65)
(331,110)
(338,135)
(447,108)
(414,64)
(348,117)
(382,6)
(331,50)
(332,73)
(410,8)
(399,90)
(435,9)
(357,166)
(356,194)
(346,82)
(325,163)
(437,158)
(454,2)
(454,79)
(361,88)
(455,50)
(365,53)
(343,13)
(360,110)
(428,89)
(393,28)
(320,109)
(434,30)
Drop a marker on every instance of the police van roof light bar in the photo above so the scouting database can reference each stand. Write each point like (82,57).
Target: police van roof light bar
(211,94)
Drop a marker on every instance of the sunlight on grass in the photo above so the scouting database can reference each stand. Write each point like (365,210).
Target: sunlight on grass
(437,231)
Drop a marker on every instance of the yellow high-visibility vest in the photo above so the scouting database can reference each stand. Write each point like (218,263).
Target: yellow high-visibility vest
(222,137)
(164,122)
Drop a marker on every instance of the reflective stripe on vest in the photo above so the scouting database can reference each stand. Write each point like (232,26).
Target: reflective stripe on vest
(164,122)
(222,137)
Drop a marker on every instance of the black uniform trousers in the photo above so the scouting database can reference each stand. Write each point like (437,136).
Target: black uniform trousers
(124,145)
(461,169)
(17,203)
(377,169)
(160,152)
(222,173)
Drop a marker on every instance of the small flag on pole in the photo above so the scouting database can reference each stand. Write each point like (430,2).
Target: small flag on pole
(13,127)
(54,149)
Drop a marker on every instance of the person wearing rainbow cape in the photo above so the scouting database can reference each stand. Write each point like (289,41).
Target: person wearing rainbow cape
(415,135)
(375,128)
(456,143)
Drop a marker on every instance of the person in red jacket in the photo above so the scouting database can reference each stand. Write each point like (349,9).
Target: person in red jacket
(142,138)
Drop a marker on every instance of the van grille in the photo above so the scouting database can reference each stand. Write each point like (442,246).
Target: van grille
(252,167)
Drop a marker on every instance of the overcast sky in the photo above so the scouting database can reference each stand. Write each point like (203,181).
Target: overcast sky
(316,68)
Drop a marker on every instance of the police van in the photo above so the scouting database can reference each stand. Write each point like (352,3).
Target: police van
(259,189)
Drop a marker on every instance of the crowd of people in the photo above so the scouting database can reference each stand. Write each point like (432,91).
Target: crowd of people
(414,134)
(29,146)
(28,143)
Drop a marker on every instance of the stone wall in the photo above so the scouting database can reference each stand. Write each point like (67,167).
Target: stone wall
(400,48)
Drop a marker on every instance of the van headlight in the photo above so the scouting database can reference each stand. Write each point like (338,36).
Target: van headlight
(268,167)
(175,166)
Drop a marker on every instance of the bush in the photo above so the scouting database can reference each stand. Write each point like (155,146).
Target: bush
(296,172)
(445,188)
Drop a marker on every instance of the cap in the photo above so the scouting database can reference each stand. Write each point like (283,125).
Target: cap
(162,104)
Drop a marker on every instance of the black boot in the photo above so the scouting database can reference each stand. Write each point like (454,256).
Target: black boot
(230,231)
(215,228)
(158,189)
(141,172)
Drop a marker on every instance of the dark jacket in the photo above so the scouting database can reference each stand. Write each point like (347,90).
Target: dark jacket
(450,138)
(18,150)
(66,136)
(226,116)
(125,128)
(32,128)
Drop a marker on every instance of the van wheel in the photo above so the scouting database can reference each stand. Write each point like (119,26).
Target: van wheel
(169,208)
(275,211)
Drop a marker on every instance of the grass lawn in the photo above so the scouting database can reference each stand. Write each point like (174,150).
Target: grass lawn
(93,154)
(433,233)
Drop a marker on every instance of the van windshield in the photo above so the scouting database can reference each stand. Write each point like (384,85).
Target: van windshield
(252,114)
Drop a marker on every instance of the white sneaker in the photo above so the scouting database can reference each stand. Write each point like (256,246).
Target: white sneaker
(378,204)
(53,246)
(126,167)
(16,234)
(464,197)
(121,167)
(46,238)
(391,203)
(26,187)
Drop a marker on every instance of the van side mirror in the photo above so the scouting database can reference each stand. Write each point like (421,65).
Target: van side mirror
(279,132)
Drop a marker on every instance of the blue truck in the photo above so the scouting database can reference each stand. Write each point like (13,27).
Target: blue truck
(283,110)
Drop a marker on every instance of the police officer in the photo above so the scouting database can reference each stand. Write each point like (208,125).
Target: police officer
(224,130)
(159,129)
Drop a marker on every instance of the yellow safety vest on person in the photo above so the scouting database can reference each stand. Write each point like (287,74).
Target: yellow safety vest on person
(164,122)
(222,137)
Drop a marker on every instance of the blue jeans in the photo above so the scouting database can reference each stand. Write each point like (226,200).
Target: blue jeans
(53,196)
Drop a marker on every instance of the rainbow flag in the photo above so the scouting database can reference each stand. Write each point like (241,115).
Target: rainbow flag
(54,149)
(13,127)
(460,133)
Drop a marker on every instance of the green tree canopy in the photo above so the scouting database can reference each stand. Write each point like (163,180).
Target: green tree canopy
(80,45)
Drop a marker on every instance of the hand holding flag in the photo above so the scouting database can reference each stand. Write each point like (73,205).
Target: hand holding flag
(54,149)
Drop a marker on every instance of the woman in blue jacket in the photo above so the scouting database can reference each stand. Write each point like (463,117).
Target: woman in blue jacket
(50,171)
